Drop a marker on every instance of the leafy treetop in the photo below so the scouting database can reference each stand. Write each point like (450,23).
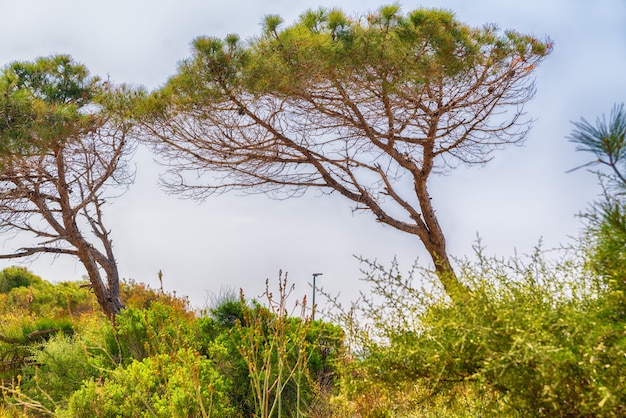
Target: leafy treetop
(43,101)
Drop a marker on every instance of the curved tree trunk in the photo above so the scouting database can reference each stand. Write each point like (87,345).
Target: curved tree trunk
(108,295)
(92,259)
(429,230)
(453,287)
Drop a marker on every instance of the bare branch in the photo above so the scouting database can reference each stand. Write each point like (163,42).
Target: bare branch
(27,252)
(367,116)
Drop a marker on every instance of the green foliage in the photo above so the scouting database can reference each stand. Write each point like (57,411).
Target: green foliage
(540,337)
(142,296)
(61,364)
(606,236)
(54,338)
(42,362)
(21,337)
(326,45)
(222,350)
(533,341)
(159,329)
(34,296)
(276,351)
(606,218)
(178,384)
(240,352)
(32,312)
(12,277)
(42,102)
(606,141)
(230,312)
(158,358)
(280,364)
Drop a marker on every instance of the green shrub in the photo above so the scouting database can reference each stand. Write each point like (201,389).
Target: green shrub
(279,360)
(62,364)
(288,355)
(21,336)
(159,329)
(533,341)
(12,277)
(42,298)
(180,384)
(49,374)
(140,295)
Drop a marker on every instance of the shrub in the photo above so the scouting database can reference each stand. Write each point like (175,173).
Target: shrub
(533,341)
(139,295)
(12,277)
(181,384)
(279,360)
(159,329)
(49,374)
(288,356)
(20,336)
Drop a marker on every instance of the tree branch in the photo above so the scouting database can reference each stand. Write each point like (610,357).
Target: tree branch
(26,252)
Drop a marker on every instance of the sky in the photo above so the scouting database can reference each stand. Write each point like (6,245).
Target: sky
(233,241)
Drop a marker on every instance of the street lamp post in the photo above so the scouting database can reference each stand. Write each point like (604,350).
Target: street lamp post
(313,305)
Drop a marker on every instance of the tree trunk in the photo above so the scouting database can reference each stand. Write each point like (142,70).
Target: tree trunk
(453,287)
(432,236)
(107,295)
(435,244)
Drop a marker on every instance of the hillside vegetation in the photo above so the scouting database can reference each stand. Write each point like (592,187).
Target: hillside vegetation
(356,107)
(543,336)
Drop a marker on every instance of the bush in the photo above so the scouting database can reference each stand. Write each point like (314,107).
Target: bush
(280,361)
(289,357)
(49,374)
(159,329)
(62,364)
(533,341)
(13,277)
(20,336)
(181,384)
(52,337)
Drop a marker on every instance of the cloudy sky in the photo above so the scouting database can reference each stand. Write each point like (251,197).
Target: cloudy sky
(235,241)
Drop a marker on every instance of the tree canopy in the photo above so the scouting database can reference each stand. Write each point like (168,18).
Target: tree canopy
(63,141)
(42,101)
(367,107)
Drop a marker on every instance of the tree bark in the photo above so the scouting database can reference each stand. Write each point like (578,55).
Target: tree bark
(454,288)
(107,295)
